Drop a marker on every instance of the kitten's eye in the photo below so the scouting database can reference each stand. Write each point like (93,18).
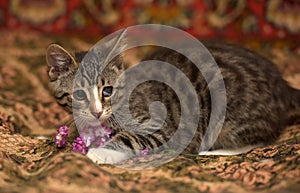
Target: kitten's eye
(79,95)
(107,91)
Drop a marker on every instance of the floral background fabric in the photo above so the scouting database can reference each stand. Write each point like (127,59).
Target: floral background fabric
(267,19)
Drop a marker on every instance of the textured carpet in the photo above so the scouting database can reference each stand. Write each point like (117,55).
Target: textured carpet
(31,165)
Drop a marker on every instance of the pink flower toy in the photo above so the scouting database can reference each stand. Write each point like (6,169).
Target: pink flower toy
(80,146)
(61,136)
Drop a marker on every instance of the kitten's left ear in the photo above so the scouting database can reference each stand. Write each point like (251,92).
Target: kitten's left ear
(117,46)
(60,62)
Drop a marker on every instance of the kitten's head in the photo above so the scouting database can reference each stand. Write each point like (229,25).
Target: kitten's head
(92,90)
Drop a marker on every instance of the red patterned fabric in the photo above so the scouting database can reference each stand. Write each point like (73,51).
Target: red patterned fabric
(270,19)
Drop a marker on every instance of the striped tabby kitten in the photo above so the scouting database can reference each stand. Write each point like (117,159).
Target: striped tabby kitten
(258,99)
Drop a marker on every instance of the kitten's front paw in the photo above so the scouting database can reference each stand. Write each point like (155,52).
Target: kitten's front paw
(106,156)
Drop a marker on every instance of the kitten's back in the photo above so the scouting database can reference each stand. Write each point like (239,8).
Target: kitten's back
(258,99)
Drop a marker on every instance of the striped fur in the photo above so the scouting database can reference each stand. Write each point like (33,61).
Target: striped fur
(258,99)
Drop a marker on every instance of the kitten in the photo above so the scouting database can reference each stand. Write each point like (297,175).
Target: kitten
(258,99)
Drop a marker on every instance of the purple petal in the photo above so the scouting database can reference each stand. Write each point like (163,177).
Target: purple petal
(107,130)
(61,136)
(63,129)
(145,151)
(80,146)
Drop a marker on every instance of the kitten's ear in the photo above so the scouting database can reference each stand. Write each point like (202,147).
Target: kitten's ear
(60,62)
(117,45)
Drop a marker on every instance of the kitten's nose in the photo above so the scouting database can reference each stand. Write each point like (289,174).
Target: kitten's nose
(97,114)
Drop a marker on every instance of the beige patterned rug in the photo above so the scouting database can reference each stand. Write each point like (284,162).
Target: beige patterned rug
(28,164)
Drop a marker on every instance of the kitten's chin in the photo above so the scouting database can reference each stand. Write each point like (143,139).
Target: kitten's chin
(87,123)
(104,120)
(93,122)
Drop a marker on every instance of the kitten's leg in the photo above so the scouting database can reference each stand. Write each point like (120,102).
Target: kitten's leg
(228,152)
(236,138)
(106,156)
(123,146)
